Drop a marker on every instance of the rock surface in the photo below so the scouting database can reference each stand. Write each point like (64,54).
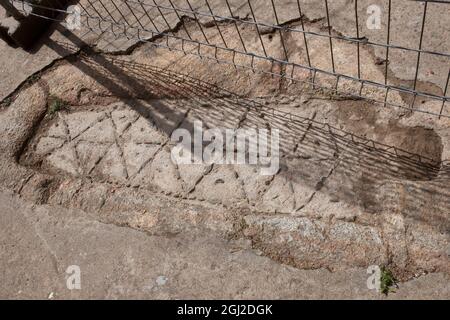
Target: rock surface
(85,158)
(40,243)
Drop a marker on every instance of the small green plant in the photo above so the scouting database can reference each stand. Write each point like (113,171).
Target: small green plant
(56,105)
(387,281)
(6,102)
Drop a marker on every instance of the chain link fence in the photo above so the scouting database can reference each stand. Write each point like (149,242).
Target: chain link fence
(216,31)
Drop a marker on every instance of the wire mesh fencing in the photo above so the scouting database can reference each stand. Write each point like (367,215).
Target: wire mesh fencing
(326,45)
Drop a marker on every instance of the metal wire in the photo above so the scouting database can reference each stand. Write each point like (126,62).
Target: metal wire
(420,43)
(289,29)
(329,33)
(125,18)
(388,41)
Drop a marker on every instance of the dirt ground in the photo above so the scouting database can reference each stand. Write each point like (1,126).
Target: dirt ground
(87,178)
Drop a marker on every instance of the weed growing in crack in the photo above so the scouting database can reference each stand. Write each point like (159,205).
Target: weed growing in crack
(55,105)
(33,78)
(6,102)
(387,281)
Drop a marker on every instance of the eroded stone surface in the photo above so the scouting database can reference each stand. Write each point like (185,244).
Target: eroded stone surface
(335,190)
(160,266)
(358,184)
